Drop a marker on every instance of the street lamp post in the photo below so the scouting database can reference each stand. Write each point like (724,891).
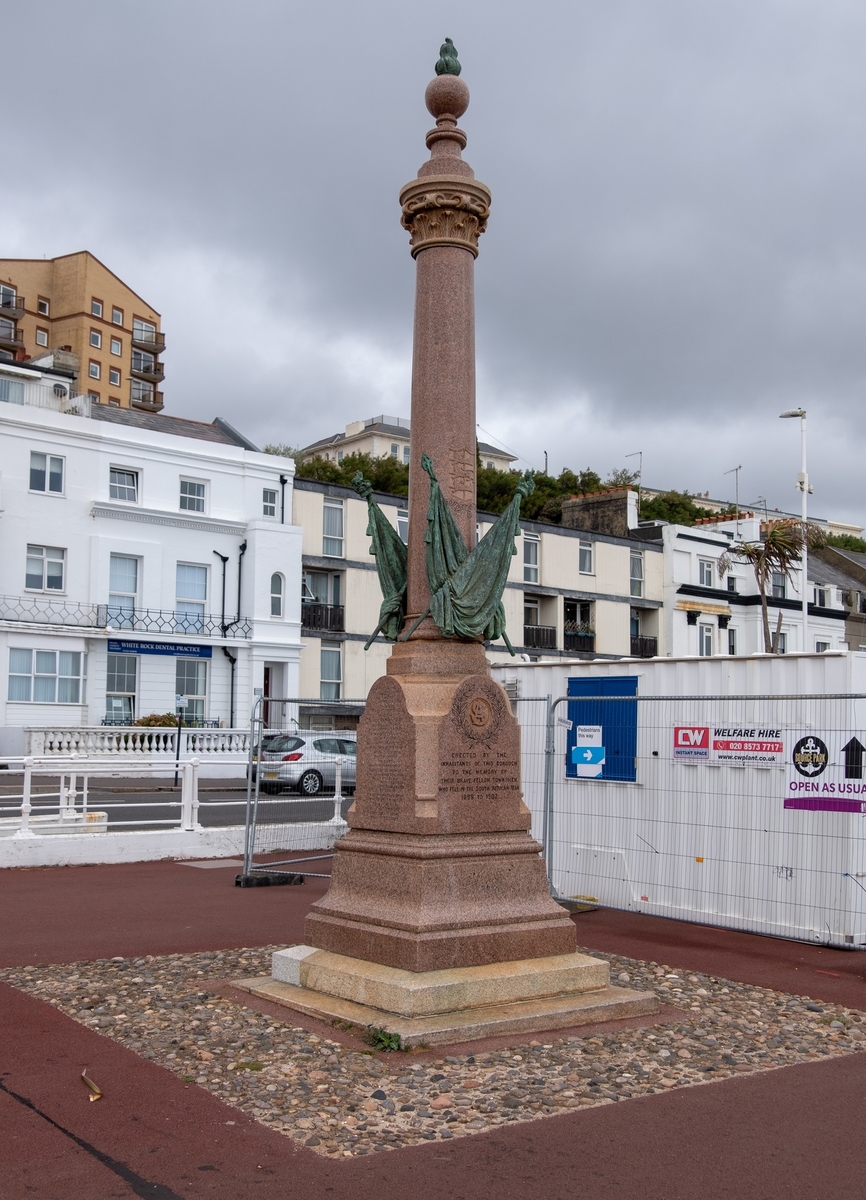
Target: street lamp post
(803,485)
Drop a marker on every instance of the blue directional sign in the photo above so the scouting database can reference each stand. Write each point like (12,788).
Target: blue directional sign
(587,755)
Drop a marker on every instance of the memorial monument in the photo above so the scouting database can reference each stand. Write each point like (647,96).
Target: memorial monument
(439,925)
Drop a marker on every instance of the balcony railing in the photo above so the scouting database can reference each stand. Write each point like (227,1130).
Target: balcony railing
(44,610)
(539,637)
(153,371)
(12,306)
(579,641)
(325,618)
(10,337)
(147,339)
(644,647)
(147,401)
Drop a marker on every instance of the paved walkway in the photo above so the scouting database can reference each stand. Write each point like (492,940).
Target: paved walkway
(792,1133)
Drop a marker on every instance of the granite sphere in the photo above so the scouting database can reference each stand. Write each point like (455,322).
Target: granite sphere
(447,95)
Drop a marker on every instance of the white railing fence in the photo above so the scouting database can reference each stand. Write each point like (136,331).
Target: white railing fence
(134,741)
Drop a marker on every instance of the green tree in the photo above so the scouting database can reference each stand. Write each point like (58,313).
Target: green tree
(676,507)
(283,449)
(777,554)
(847,541)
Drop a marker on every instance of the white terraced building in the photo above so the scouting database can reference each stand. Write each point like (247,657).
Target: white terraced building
(145,558)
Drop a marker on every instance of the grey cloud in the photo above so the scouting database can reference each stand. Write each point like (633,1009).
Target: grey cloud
(676,250)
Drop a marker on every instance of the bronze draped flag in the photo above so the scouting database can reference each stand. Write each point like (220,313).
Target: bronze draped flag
(466,586)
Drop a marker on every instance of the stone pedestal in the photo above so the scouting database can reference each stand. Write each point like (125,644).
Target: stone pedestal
(439,869)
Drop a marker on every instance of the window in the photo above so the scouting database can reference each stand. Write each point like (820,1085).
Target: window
(585,557)
(578,616)
(269,502)
(96,308)
(403,526)
(96,339)
(117,316)
(8,296)
(276,595)
(120,678)
(705,572)
(45,568)
(140,391)
(41,337)
(46,473)
(332,529)
(732,583)
(123,590)
(123,485)
(339,456)
(489,465)
(191,593)
(42,307)
(47,676)
(634,623)
(331,657)
(11,391)
(531,610)
(320,587)
(531,550)
(116,345)
(705,640)
(778,586)
(782,643)
(94,370)
(143,331)
(143,362)
(114,376)
(822,647)
(406,455)
(192,495)
(636,572)
(191,683)
(395,450)
(732,640)
(820,597)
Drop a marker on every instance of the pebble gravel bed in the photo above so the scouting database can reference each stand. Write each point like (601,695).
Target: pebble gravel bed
(346,1102)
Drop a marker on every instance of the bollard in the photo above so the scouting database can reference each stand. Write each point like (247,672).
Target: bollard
(25,831)
(337,818)
(189,802)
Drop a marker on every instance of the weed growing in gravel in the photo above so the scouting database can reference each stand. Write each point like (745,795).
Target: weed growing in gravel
(381,1039)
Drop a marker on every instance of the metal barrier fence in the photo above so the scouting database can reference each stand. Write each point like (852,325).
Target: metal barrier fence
(300,751)
(747,812)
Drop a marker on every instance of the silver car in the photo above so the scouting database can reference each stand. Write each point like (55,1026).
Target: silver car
(307,761)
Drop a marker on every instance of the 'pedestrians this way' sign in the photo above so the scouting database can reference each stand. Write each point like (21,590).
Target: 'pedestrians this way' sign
(588,752)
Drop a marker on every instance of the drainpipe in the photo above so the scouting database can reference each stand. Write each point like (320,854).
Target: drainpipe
(224,558)
(284,479)
(233,658)
(243,550)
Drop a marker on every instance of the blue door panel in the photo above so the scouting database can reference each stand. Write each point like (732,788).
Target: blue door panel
(618,719)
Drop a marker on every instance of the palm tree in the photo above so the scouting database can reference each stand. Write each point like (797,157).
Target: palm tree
(777,554)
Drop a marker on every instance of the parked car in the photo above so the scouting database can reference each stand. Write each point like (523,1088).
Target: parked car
(307,761)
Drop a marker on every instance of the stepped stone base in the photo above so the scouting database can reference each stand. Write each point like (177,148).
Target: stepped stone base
(453,1005)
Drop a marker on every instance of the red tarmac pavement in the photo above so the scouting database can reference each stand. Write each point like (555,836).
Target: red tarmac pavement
(792,1133)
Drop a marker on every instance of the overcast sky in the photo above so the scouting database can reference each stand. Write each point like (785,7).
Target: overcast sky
(676,250)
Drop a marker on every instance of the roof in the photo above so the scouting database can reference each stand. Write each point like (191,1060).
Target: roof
(393,431)
(218,431)
(855,556)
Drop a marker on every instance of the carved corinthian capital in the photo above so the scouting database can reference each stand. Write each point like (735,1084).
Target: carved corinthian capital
(445,212)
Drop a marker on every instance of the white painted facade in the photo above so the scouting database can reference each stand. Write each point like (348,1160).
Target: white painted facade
(107,503)
(706,615)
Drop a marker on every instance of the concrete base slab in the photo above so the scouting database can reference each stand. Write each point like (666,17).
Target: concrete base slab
(430,993)
(525,1016)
